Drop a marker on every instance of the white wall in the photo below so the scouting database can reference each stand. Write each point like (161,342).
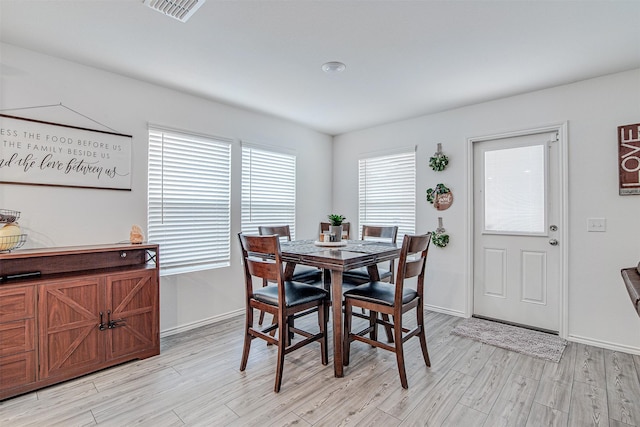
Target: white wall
(599,309)
(57,216)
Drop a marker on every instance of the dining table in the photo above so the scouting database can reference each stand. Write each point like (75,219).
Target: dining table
(334,258)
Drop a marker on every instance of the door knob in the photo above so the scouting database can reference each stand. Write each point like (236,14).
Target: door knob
(553,242)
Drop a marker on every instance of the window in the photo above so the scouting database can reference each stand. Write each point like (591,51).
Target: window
(188,211)
(387,191)
(514,190)
(268,189)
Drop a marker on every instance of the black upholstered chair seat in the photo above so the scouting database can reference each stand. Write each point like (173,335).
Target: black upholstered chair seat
(295,294)
(346,287)
(362,275)
(380,292)
(306,274)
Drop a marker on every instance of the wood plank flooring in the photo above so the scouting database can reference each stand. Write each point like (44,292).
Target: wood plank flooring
(195,381)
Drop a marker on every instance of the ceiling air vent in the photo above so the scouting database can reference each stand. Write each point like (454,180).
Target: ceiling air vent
(178,9)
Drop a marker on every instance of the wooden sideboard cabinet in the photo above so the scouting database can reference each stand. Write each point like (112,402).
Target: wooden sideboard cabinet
(66,312)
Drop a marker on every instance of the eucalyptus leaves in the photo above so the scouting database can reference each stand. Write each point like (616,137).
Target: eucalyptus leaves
(438,162)
(433,192)
(440,239)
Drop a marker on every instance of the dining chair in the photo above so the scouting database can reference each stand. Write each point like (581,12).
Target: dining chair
(393,300)
(346,226)
(263,260)
(302,273)
(387,234)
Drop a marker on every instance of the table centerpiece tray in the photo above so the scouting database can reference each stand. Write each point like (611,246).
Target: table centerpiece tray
(330,244)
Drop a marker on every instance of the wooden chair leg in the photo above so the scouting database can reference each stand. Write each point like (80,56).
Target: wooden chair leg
(283,333)
(387,328)
(290,325)
(373,324)
(346,341)
(323,316)
(422,335)
(247,338)
(274,321)
(397,328)
(261,319)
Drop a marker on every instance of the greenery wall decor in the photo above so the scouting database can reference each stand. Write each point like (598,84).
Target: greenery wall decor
(439,161)
(433,192)
(440,239)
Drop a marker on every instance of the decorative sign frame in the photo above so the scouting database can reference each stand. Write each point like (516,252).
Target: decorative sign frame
(35,152)
(443,201)
(629,159)
(440,197)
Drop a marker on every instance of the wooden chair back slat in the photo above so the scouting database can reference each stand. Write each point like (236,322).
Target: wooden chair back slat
(278,230)
(383,232)
(264,269)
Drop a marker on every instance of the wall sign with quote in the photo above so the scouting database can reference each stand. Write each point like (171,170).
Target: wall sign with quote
(440,197)
(42,153)
(629,159)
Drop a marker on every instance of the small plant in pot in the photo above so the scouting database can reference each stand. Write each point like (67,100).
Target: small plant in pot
(336,219)
(335,225)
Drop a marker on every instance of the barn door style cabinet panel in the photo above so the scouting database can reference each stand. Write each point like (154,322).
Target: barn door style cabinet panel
(66,312)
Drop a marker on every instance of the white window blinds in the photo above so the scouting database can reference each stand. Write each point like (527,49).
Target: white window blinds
(268,189)
(189,200)
(387,191)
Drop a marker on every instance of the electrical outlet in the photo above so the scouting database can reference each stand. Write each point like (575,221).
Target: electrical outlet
(597,224)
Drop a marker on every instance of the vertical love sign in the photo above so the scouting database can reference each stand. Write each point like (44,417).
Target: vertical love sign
(629,159)
(42,153)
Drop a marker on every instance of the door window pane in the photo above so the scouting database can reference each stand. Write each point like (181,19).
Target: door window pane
(514,196)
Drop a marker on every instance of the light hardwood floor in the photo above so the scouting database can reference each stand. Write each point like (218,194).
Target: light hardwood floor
(195,381)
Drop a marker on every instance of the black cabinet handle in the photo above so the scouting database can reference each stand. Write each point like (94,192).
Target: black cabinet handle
(114,323)
(101,325)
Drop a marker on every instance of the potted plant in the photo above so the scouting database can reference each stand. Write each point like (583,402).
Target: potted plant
(335,225)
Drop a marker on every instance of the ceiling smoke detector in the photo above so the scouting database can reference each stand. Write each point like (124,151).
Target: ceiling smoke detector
(333,67)
(178,9)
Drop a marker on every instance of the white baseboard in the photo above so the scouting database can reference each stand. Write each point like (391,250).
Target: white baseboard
(232,314)
(604,344)
(444,310)
(199,323)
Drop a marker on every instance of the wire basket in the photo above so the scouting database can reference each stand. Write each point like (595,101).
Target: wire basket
(8,216)
(9,243)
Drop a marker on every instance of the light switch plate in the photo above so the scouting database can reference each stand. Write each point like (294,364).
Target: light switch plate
(597,224)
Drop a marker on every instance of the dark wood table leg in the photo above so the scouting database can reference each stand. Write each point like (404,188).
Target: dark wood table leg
(336,295)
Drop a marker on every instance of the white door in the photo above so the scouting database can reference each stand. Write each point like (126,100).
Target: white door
(517,256)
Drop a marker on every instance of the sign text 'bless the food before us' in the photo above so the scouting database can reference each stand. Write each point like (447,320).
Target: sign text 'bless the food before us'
(42,153)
